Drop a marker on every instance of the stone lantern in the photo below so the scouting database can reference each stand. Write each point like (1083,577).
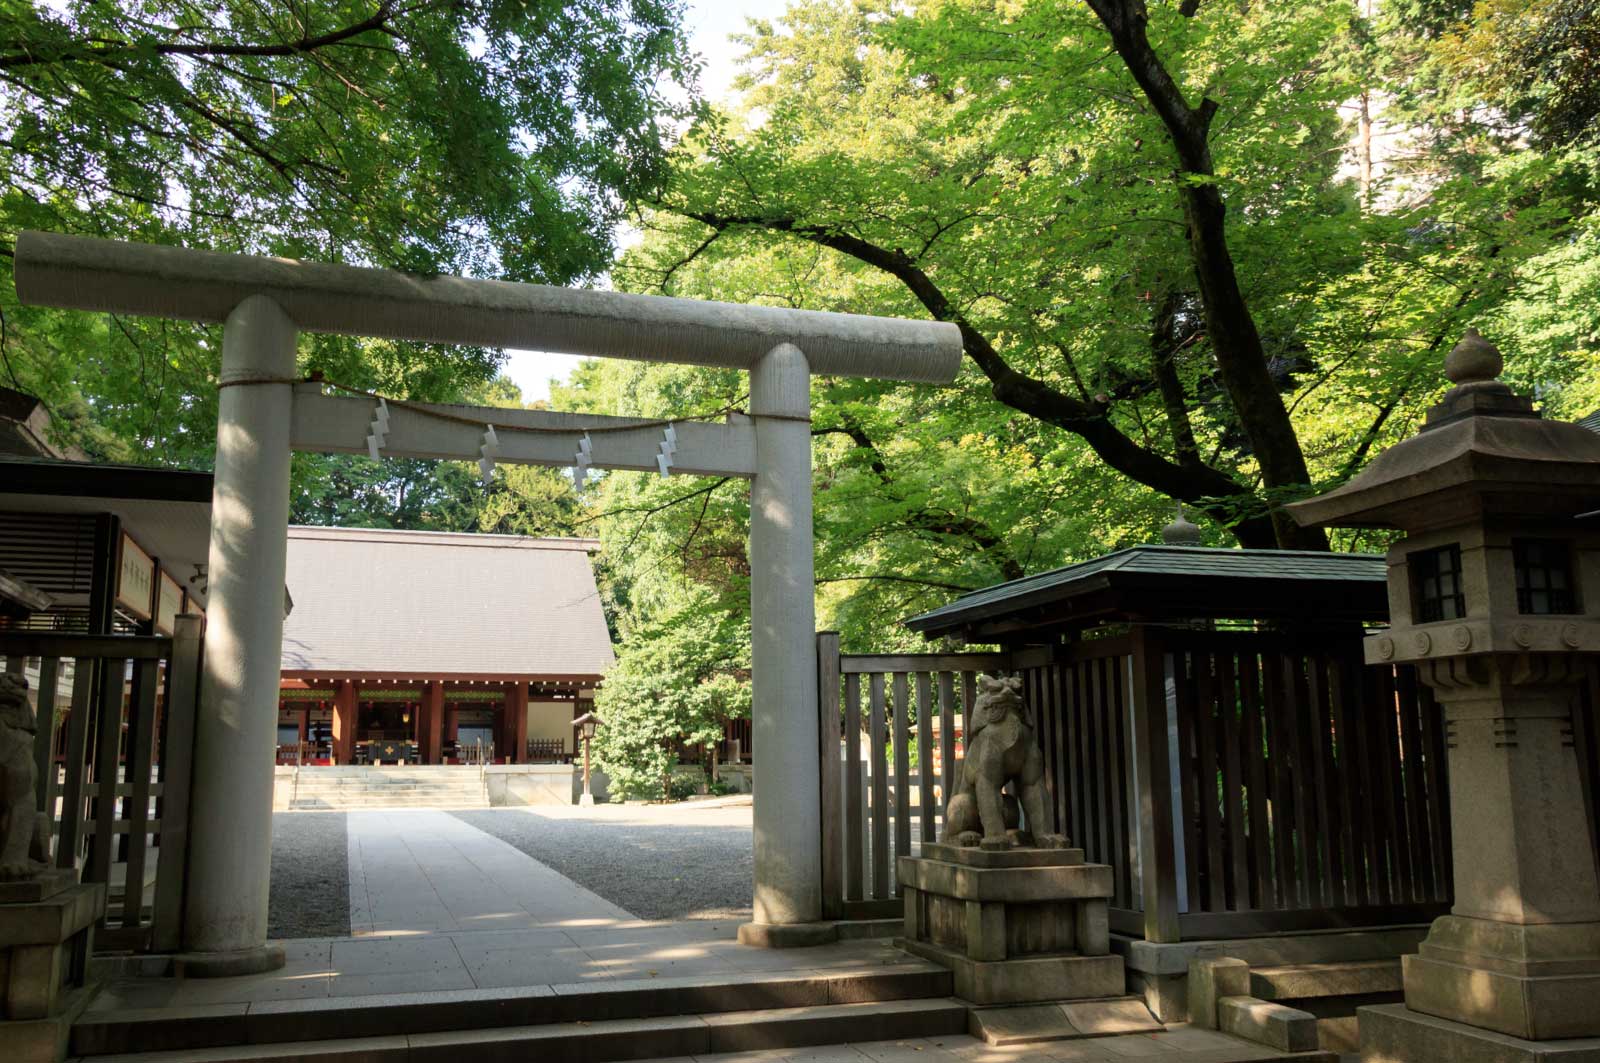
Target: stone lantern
(1494,596)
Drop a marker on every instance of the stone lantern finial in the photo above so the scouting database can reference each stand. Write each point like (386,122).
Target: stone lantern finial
(1474,366)
(1182,531)
(1474,360)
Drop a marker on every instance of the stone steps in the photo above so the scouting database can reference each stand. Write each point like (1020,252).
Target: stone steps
(397,790)
(378,787)
(607,1039)
(1331,992)
(636,1019)
(1308,981)
(358,806)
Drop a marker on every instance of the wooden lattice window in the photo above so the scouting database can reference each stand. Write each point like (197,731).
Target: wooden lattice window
(1436,584)
(1544,576)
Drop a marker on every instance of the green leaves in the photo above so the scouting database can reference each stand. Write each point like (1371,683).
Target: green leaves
(484,137)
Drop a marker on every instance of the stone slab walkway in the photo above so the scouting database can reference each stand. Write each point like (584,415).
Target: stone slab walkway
(558,959)
(425,871)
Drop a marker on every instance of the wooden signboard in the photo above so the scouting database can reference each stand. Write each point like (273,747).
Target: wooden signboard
(169,603)
(136,577)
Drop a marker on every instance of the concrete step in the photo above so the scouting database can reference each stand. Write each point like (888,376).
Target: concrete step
(367,784)
(1309,981)
(633,1019)
(607,1039)
(385,791)
(335,805)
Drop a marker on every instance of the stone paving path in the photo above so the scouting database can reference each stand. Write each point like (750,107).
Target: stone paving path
(632,951)
(426,871)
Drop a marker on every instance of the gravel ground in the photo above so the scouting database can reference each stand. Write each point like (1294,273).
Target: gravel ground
(310,893)
(681,861)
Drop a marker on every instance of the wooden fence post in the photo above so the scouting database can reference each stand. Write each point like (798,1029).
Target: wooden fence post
(177,768)
(828,737)
(1157,863)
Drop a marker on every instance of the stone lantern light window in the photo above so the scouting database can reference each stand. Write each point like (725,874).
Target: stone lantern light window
(1544,576)
(1438,594)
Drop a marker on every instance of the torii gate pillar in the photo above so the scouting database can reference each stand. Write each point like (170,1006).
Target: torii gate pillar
(225,914)
(787,812)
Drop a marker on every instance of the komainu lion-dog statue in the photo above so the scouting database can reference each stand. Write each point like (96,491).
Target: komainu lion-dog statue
(23,849)
(1001,748)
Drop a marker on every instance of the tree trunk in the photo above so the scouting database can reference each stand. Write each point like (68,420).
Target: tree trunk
(1241,358)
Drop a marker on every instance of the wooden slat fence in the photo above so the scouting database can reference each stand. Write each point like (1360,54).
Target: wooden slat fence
(1286,785)
(1343,766)
(1306,789)
(877,712)
(118,798)
(1079,699)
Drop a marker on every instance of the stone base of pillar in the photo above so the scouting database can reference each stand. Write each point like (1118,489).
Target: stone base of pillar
(1014,926)
(788,935)
(1392,1033)
(263,958)
(1539,982)
(44,958)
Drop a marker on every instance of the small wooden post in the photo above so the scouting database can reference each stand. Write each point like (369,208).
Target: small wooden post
(1158,875)
(140,754)
(177,768)
(828,736)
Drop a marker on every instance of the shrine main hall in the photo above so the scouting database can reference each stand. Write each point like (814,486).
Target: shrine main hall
(437,648)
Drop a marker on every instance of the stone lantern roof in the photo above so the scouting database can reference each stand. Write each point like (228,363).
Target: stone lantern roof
(1483,450)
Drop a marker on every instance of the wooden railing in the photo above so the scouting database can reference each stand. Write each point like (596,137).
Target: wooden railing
(547,751)
(123,788)
(1237,783)
(875,804)
(1289,786)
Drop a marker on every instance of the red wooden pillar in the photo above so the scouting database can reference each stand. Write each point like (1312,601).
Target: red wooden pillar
(516,721)
(433,712)
(344,722)
(305,721)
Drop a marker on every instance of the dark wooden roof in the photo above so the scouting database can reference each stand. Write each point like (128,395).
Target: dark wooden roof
(84,479)
(1172,583)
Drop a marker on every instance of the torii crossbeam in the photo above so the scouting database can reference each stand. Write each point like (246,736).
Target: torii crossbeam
(263,305)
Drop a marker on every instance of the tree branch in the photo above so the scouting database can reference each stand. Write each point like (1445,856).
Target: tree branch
(1230,325)
(1203,486)
(898,579)
(110,51)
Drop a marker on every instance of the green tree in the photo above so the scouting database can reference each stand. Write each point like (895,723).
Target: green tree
(486,137)
(1157,255)
(677,682)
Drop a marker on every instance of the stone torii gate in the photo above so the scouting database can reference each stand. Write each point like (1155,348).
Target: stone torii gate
(263,305)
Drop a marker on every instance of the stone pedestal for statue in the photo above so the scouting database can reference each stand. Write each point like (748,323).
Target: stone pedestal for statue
(46,926)
(1495,598)
(1015,925)
(1014,913)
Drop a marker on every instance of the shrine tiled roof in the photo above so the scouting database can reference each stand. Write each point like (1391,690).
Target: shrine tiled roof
(378,601)
(1179,568)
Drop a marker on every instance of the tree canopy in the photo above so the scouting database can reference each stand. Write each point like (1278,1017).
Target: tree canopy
(1015,168)
(485,137)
